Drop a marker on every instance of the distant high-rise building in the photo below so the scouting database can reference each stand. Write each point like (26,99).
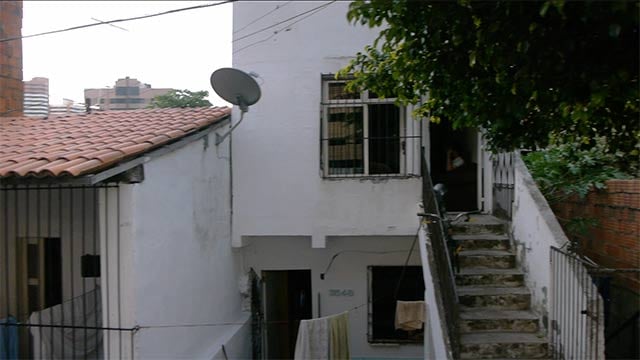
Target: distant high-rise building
(36,97)
(127,93)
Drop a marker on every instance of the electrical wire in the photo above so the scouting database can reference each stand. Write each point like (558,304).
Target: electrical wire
(278,7)
(286,28)
(283,21)
(406,262)
(116,21)
(359,252)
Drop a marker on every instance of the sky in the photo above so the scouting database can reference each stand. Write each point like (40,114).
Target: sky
(177,51)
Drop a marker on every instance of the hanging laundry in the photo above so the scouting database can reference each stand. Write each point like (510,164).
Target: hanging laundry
(339,337)
(410,315)
(323,338)
(313,340)
(64,342)
(9,338)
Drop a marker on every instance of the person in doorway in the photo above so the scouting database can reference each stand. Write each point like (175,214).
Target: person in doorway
(454,158)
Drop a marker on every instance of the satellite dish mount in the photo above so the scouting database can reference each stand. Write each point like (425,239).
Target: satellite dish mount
(238,88)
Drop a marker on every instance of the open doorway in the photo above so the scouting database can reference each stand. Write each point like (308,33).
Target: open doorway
(287,296)
(39,272)
(454,155)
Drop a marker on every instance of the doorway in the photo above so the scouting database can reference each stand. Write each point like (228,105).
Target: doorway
(39,281)
(454,155)
(287,295)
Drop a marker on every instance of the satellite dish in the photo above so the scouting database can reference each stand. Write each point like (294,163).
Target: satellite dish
(236,87)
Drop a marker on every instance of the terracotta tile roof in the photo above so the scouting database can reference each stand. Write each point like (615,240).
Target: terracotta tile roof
(79,144)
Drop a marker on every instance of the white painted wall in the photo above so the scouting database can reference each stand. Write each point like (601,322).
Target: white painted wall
(535,230)
(348,271)
(115,219)
(186,274)
(277,185)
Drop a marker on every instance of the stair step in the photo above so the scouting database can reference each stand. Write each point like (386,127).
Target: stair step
(482,241)
(479,224)
(490,277)
(493,259)
(490,320)
(504,298)
(508,345)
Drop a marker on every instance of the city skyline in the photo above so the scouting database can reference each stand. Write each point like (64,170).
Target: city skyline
(178,50)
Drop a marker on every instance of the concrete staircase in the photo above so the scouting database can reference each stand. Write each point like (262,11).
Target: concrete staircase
(495,317)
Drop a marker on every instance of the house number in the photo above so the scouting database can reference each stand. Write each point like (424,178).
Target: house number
(340,292)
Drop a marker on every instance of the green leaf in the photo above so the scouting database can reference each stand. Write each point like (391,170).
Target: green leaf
(545,8)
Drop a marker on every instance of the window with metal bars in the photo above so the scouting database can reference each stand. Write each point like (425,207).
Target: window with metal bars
(362,133)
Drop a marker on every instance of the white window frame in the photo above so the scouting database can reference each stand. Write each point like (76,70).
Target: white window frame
(363,101)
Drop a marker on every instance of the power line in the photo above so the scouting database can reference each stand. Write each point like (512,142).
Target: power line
(116,21)
(283,28)
(278,7)
(283,21)
(115,26)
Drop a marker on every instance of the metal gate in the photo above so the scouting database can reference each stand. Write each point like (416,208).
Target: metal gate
(503,183)
(577,308)
(60,275)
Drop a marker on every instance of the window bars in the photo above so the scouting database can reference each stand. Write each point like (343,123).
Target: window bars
(365,135)
(60,265)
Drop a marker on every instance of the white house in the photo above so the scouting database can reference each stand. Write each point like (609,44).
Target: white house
(115,236)
(326,183)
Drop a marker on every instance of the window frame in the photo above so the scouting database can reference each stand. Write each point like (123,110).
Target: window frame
(370,315)
(363,101)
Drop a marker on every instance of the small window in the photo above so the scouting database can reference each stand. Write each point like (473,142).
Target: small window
(127,91)
(362,134)
(387,284)
(126,101)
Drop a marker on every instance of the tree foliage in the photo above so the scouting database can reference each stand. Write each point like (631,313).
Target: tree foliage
(565,170)
(521,70)
(181,99)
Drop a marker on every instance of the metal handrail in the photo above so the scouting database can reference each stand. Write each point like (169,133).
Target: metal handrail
(445,277)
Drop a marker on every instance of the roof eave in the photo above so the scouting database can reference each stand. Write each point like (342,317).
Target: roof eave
(120,167)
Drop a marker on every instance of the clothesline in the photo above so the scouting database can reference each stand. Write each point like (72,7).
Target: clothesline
(264,322)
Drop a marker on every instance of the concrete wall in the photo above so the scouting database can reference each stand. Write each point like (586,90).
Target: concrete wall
(535,229)
(277,184)
(348,272)
(185,272)
(115,224)
(11,59)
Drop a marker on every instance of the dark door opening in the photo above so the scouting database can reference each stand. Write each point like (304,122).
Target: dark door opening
(453,163)
(39,281)
(287,301)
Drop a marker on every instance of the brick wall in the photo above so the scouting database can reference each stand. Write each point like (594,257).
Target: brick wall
(615,241)
(11,88)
